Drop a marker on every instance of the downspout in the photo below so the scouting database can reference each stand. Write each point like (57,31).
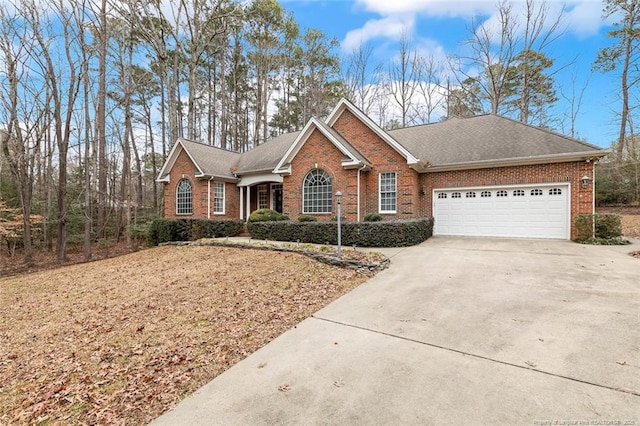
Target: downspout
(209,197)
(593,200)
(358,193)
(593,196)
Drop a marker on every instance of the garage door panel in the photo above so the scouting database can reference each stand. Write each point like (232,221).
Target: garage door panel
(527,211)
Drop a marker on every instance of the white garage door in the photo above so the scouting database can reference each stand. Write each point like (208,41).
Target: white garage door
(530,211)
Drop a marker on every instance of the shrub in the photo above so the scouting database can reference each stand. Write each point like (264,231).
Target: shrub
(307,218)
(598,227)
(266,215)
(608,225)
(618,241)
(365,234)
(165,230)
(373,217)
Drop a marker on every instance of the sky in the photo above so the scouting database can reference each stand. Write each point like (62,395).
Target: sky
(441,27)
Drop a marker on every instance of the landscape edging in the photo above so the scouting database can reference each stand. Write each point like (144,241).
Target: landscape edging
(361,267)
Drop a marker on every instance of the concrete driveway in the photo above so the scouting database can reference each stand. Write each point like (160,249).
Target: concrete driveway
(457,330)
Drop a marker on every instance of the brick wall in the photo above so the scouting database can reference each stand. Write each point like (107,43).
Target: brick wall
(185,169)
(414,191)
(319,152)
(581,198)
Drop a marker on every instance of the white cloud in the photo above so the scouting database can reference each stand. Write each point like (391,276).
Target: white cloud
(585,18)
(445,8)
(581,17)
(389,27)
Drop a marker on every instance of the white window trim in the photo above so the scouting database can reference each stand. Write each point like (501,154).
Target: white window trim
(304,211)
(395,184)
(264,189)
(224,198)
(177,198)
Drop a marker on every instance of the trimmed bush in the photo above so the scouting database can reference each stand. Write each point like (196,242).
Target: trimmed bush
(373,217)
(307,218)
(607,226)
(266,215)
(166,230)
(365,234)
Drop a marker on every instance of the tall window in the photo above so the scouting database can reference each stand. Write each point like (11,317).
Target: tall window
(263,197)
(218,198)
(184,197)
(316,192)
(387,192)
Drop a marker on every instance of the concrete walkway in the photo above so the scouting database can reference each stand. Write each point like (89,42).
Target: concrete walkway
(456,331)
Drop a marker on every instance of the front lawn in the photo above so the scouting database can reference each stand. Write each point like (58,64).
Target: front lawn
(122,340)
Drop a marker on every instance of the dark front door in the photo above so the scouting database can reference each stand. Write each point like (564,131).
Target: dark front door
(277,199)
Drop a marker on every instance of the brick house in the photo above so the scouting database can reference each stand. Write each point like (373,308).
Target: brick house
(485,175)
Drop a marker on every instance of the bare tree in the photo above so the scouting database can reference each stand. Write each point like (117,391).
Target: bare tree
(362,78)
(624,54)
(23,101)
(402,80)
(429,91)
(534,86)
(64,93)
(484,74)
(574,97)
(101,118)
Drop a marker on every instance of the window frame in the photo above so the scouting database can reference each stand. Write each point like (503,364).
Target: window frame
(322,197)
(182,203)
(382,193)
(263,197)
(217,198)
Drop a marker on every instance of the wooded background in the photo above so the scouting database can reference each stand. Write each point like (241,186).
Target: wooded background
(94,93)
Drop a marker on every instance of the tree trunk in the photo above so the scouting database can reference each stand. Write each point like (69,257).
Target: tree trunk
(624,116)
(101,123)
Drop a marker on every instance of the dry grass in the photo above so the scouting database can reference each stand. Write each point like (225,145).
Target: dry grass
(630,219)
(631,226)
(121,340)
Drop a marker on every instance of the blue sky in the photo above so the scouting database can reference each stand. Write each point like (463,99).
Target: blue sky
(442,26)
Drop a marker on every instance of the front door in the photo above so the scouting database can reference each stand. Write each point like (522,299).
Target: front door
(277,198)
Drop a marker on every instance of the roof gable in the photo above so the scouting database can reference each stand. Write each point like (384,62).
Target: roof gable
(344,104)
(352,157)
(209,161)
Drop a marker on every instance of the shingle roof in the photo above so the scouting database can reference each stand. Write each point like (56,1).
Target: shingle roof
(210,160)
(266,156)
(484,138)
(455,143)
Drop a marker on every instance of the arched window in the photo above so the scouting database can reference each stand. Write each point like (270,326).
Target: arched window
(317,192)
(184,197)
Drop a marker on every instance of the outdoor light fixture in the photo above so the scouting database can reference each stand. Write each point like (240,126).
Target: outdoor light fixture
(339,203)
(585,181)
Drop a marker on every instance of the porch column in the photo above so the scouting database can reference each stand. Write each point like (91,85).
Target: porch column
(248,202)
(242,203)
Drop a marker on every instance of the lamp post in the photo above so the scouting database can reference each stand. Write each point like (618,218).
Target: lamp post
(339,202)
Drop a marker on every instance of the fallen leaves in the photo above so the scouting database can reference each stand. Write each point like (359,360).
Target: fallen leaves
(284,387)
(122,340)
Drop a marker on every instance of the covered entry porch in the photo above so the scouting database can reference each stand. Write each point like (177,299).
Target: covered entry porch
(260,192)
